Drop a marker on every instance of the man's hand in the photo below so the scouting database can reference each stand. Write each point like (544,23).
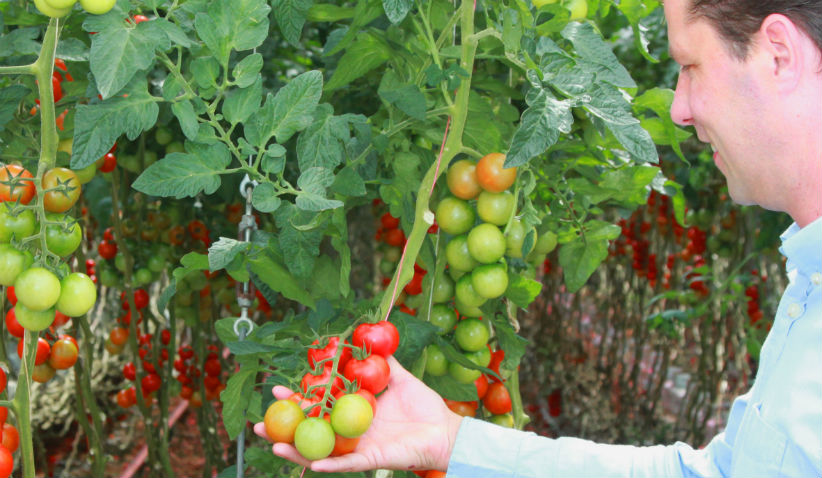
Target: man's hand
(412,430)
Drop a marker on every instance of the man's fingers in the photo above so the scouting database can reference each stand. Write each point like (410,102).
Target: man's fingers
(280,392)
(341,464)
(289,453)
(259,430)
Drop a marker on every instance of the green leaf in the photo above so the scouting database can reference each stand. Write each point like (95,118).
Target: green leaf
(290,16)
(223,252)
(206,69)
(299,247)
(264,198)
(235,400)
(168,293)
(579,260)
(278,278)
(511,30)
(659,100)
(10,97)
(406,97)
(291,110)
(349,183)
(627,185)
(118,52)
(313,183)
(22,41)
(608,104)
(97,126)
(449,388)
(184,111)
(323,143)
(540,127)
(512,344)
(241,103)
(247,70)
(183,175)
(339,240)
(522,291)
(174,33)
(597,55)
(232,25)
(415,335)
(327,12)
(363,55)
(396,10)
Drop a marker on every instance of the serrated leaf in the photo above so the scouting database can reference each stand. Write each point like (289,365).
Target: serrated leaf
(184,111)
(168,293)
(117,53)
(264,198)
(314,202)
(540,127)
(241,103)
(606,103)
(415,335)
(522,291)
(449,388)
(363,55)
(299,247)
(174,33)
(222,252)
(593,51)
(278,278)
(290,16)
(9,101)
(247,70)
(97,126)
(339,240)
(396,10)
(580,258)
(406,97)
(206,69)
(349,183)
(21,41)
(511,30)
(232,25)
(512,344)
(183,175)
(235,400)
(291,110)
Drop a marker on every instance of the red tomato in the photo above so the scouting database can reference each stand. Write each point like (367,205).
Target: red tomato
(130,371)
(63,353)
(482,386)
(381,338)
(371,373)
(151,383)
(395,237)
(496,358)
(465,409)
(497,400)
(462,179)
(492,176)
(316,383)
(11,439)
(316,354)
(389,222)
(14,327)
(306,403)
(42,354)
(22,190)
(3,381)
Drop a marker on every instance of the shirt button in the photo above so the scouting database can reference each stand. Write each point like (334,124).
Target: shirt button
(794,310)
(816,278)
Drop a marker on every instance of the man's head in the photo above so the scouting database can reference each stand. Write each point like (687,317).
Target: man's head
(738,20)
(751,86)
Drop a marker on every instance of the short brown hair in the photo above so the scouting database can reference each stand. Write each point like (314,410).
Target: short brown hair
(737,20)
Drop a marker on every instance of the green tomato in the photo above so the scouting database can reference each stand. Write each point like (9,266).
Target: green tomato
(486,243)
(506,420)
(163,136)
(541,3)
(436,364)
(495,208)
(175,147)
(463,374)
(578,9)
(156,263)
(455,216)
(443,317)
(471,335)
(546,242)
(458,255)
(490,280)
(50,11)
(351,415)
(97,7)
(15,224)
(481,357)
(314,438)
(86,174)
(443,289)
(33,320)
(77,294)
(467,311)
(61,3)
(37,288)
(63,238)
(120,262)
(515,238)
(12,262)
(142,276)
(107,277)
(465,293)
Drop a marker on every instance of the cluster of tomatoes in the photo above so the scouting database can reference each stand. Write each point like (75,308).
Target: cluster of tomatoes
(61,8)
(336,402)
(188,372)
(755,314)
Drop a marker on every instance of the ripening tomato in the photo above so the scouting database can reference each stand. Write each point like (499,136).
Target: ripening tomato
(281,420)
(314,385)
(492,176)
(465,409)
(497,399)
(314,438)
(351,416)
(6,463)
(381,338)
(62,189)
(63,354)
(462,179)
(22,187)
(11,439)
(371,373)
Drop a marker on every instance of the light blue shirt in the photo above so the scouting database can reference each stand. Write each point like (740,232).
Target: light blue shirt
(774,430)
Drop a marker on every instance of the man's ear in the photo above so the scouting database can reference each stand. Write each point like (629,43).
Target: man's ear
(783,42)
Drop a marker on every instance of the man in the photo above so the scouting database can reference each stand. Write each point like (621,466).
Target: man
(751,85)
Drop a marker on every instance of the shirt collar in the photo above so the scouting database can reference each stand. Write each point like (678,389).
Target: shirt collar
(803,247)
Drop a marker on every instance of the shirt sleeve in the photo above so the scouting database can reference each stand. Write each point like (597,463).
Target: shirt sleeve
(486,450)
